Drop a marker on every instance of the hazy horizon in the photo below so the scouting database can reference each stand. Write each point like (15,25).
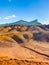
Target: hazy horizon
(28,10)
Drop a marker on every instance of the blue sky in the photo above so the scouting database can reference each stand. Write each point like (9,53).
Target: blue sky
(14,10)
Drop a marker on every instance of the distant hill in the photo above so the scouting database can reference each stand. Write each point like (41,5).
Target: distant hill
(22,22)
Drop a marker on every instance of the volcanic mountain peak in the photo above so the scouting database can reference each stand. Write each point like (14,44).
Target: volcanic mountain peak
(21,22)
(35,22)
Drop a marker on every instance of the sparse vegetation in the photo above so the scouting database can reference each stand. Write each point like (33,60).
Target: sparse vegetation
(9,61)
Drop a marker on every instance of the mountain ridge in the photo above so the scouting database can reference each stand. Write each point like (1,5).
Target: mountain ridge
(22,22)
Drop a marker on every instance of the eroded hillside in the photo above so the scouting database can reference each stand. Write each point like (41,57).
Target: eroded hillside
(28,45)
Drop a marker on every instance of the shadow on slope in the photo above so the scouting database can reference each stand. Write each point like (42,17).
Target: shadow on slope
(41,37)
(17,39)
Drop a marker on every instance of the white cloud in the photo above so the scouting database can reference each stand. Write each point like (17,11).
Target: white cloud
(14,15)
(9,17)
